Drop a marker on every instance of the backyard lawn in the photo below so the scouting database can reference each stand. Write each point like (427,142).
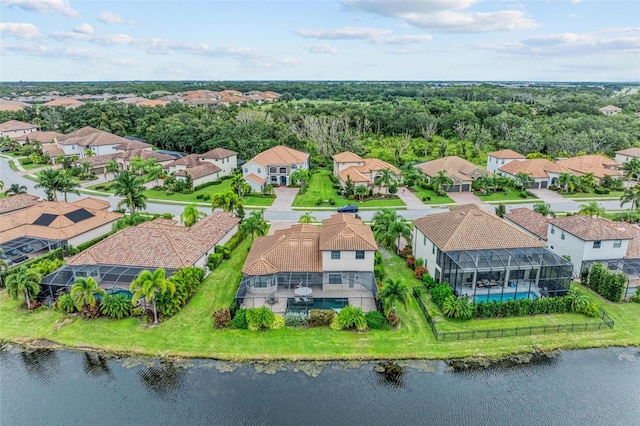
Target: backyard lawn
(434,198)
(321,187)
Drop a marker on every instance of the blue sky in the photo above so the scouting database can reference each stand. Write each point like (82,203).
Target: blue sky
(542,40)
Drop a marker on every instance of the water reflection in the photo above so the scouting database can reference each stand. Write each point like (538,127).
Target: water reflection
(41,363)
(96,365)
(162,379)
(390,374)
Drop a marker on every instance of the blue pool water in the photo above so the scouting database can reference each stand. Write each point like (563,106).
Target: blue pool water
(504,297)
(316,303)
(117,291)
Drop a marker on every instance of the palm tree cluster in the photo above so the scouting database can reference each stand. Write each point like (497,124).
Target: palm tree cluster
(131,187)
(54,181)
(228,201)
(148,285)
(389,228)
(191,215)
(24,283)
(254,224)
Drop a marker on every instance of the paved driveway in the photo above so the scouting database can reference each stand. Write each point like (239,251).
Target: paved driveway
(549,196)
(284,198)
(465,198)
(410,199)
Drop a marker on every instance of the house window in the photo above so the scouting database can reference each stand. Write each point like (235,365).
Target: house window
(273,170)
(335,278)
(597,244)
(274,179)
(424,240)
(259,170)
(293,167)
(553,229)
(335,254)
(562,235)
(246,170)
(359,254)
(433,249)
(283,170)
(617,243)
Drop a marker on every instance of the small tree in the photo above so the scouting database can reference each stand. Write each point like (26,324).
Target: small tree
(392,293)
(83,292)
(254,224)
(24,283)
(501,210)
(191,215)
(307,218)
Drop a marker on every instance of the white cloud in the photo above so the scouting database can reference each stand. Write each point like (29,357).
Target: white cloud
(319,48)
(445,15)
(44,6)
(346,33)
(83,29)
(113,39)
(404,39)
(112,18)
(19,30)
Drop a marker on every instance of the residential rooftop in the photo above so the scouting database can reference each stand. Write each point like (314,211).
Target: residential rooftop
(280,155)
(506,154)
(589,228)
(17,202)
(526,218)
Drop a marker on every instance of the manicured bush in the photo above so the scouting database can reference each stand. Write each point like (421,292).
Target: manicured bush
(419,272)
(394,319)
(332,201)
(116,306)
(406,252)
(239,321)
(411,262)
(602,191)
(214,260)
(321,317)
(221,318)
(418,262)
(429,281)
(319,202)
(65,304)
(278,323)
(296,319)
(606,283)
(260,318)
(207,184)
(376,321)
(591,310)
(636,297)
(200,196)
(457,307)
(351,317)
(440,292)
(206,197)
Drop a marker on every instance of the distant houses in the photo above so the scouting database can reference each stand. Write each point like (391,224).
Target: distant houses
(203,168)
(610,110)
(15,128)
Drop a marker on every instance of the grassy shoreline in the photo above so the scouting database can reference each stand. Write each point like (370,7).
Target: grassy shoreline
(190,334)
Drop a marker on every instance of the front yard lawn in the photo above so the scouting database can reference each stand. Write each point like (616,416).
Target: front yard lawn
(581,195)
(321,187)
(30,165)
(509,194)
(432,197)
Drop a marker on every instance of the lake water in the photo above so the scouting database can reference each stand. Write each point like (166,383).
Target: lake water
(589,387)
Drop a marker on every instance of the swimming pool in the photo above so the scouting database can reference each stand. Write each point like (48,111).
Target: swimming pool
(316,303)
(504,297)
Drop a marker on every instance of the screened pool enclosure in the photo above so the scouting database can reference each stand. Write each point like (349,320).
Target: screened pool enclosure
(630,267)
(505,274)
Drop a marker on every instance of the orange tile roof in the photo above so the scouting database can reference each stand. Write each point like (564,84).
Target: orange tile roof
(40,136)
(347,157)
(468,227)
(457,168)
(190,160)
(159,243)
(5,106)
(537,168)
(15,125)
(60,227)
(526,218)
(280,155)
(354,174)
(196,172)
(631,152)
(151,103)
(506,154)
(89,136)
(133,144)
(52,150)
(255,178)
(17,202)
(218,153)
(599,165)
(70,103)
(588,228)
(345,232)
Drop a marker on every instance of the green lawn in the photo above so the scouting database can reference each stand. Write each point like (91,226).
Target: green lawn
(580,195)
(509,194)
(191,333)
(434,198)
(30,166)
(321,187)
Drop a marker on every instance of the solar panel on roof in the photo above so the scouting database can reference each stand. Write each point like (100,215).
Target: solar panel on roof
(45,219)
(78,215)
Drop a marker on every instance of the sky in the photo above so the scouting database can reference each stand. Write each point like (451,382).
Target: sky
(479,40)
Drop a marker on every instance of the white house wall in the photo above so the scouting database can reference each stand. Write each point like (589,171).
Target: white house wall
(227,165)
(493,163)
(347,261)
(91,234)
(621,158)
(423,248)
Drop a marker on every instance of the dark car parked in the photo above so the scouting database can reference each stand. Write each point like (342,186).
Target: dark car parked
(349,208)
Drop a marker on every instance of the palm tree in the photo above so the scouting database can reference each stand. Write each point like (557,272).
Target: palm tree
(440,181)
(239,185)
(83,292)
(302,176)
(588,181)
(592,208)
(568,181)
(66,184)
(631,169)
(361,191)
(16,189)
(523,180)
(483,184)
(307,218)
(131,187)
(129,220)
(25,283)
(385,178)
(149,285)
(389,228)
(544,209)
(112,167)
(227,201)
(254,224)
(153,169)
(391,293)
(86,168)
(191,215)
(49,180)
(631,195)
(137,165)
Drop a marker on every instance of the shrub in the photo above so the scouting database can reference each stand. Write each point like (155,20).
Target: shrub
(600,190)
(411,262)
(419,272)
(591,309)
(319,202)
(206,197)
(332,201)
(214,260)
(206,184)
(115,306)
(636,297)
(351,197)
(418,262)
(239,321)
(278,323)
(321,317)
(351,317)
(440,292)
(379,273)
(578,301)
(394,319)
(376,321)
(459,308)
(608,284)
(260,318)
(221,318)
(428,280)
(296,319)
(65,304)
(377,258)
(406,252)
(523,194)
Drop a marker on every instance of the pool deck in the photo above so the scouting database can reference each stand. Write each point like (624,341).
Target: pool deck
(278,304)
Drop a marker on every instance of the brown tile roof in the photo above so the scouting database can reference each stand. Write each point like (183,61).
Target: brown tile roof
(280,155)
(610,108)
(89,136)
(355,175)
(65,102)
(299,248)
(633,248)
(233,99)
(145,154)
(4,106)
(133,144)
(151,103)
(52,150)
(588,228)
(599,165)
(17,202)
(14,125)
(204,169)
(468,227)
(58,226)
(201,101)
(230,92)
(631,152)
(526,218)
(255,178)
(160,243)
(347,157)
(457,168)
(218,153)
(537,168)
(506,154)
(190,160)
(40,136)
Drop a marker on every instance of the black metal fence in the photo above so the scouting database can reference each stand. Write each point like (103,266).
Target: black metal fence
(605,321)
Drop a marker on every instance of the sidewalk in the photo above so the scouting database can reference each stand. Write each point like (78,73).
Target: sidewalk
(411,200)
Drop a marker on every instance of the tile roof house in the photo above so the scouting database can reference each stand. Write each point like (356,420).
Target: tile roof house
(610,110)
(58,223)
(207,167)
(274,166)
(13,128)
(625,155)
(39,136)
(17,202)
(361,171)
(461,171)
(333,260)
(497,159)
(584,238)
(484,257)
(599,165)
(64,102)
(98,141)
(543,172)
(529,221)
